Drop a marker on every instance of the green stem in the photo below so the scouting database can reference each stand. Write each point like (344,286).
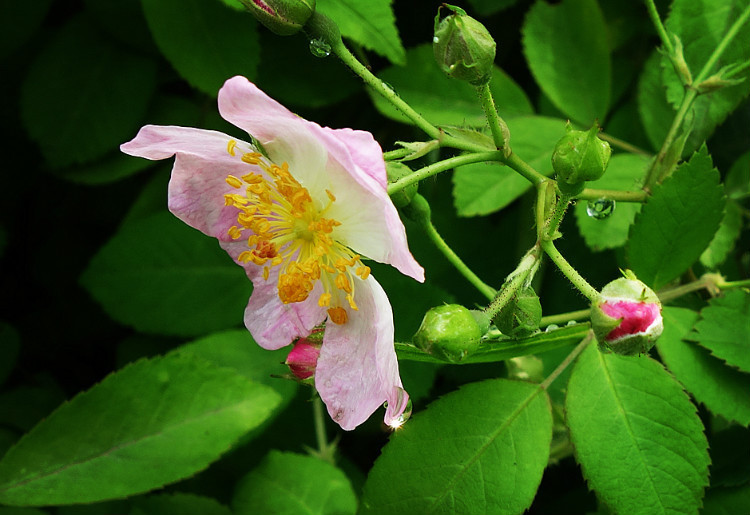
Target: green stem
(726,285)
(441,166)
(325,451)
(656,20)
(564,318)
(523,168)
(623,145)
(568,360)
(448,252)
(567,269)
(387,92)
(723,44)
(556,218)
(396,154)
(498,127)
(690,96)
(513,282)
(619,196)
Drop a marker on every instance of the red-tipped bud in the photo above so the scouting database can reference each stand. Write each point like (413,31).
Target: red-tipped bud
(626,317)
(303,358)
(282,17)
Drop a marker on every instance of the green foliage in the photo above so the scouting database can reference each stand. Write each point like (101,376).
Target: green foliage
(724,329)
(677,223)
(78,110)
(369,23)
(205,41)
(722,389)
(567,50)
(178,504)
(480,189)
(625,171)
(725,238)
(636,435)
(442,100)
(286,483)
(19,21)
(701,26)
(727,501)
(156,274)
(481,449)
(152,423)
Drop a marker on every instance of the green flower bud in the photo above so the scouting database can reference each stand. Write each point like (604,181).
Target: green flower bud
(418,210)
(463,47)
(522,315)
(580,156)
(626,317)
(282,17)
(395,171)
(449,332)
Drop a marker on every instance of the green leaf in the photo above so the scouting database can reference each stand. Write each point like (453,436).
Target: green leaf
(701,26)
(206,41)
(161,276)
(77,110)
(286,483)
(481,449)
(677,223)
(727,501)
(370,23)
(178,504)
(722,389)
(737,182)
(445,101)
(149,424)
(725,238)
(655,112)
(636,435)
(237,349)
(625,172)
(483,188)
(724,329)
(493,351)
(567,51)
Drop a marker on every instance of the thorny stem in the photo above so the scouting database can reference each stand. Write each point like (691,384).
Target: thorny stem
(442,166)
(567,269)
(448,252)
(498,127)
(723,44)
(513,282)
(523,168)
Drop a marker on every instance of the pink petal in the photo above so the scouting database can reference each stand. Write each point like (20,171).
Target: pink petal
(636,317)
(346,162)
(357,368)
(198,183)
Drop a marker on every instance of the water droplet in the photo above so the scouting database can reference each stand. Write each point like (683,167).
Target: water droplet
(551,327)
(601,208)
(319,48)
(436,39)
(571,322)
(403,417)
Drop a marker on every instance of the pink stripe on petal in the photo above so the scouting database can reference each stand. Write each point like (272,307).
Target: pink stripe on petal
(636,317)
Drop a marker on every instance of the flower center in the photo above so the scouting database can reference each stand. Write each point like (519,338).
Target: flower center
(285,228)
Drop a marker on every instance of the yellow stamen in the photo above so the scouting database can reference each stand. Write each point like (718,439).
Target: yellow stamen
(230,146)
(337,315)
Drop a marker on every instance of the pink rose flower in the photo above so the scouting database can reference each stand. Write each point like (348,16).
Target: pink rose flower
(298,206)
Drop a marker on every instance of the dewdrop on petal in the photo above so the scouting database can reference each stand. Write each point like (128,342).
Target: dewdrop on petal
(626,317)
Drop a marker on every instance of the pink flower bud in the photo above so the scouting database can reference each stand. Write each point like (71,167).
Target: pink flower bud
(626,317)
(303,358)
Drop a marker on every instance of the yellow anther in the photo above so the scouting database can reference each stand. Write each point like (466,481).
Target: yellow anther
(252,158)
(337,315)
(244,256)
(330,196)
(352,304)
(266,273)
(342,283)
(230,146)
(324,300)
(234,182)
(235,232)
